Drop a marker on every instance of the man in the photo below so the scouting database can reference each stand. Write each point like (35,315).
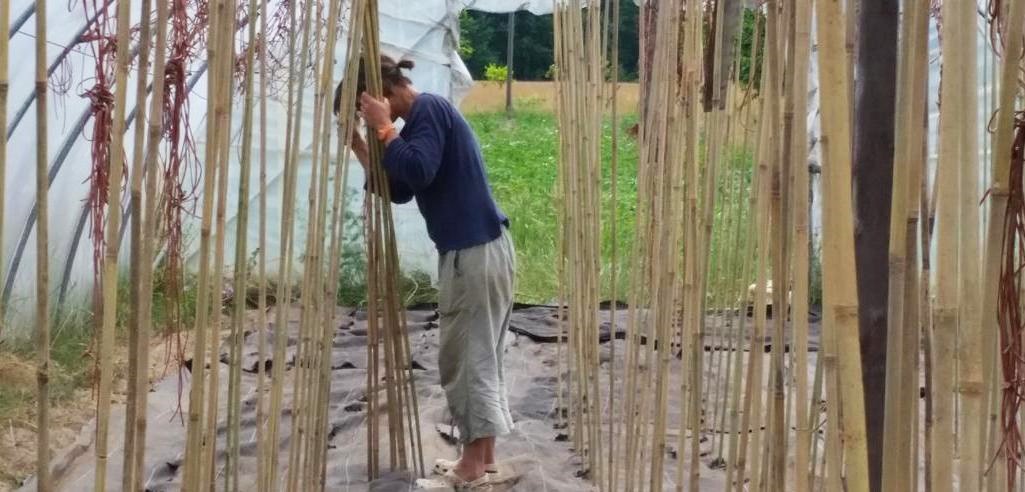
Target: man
(436,160)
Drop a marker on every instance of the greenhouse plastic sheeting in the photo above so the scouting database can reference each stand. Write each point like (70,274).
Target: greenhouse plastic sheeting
(425,31)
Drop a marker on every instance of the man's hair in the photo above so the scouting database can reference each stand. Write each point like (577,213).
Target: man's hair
(391,76)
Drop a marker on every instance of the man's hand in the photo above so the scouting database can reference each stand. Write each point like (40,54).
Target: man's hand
(359,147)
(376,112)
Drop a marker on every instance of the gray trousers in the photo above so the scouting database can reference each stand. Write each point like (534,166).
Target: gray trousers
(475,298)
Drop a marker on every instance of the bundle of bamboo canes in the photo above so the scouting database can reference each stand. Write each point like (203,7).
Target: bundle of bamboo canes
(387,322)
(579,88)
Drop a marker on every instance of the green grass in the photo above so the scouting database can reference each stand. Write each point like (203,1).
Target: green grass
(70,368)
(521,156)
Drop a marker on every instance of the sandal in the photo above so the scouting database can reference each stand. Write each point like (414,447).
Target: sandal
(442,466)
(449,480)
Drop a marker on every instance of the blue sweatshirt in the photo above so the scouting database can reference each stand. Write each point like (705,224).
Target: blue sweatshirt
(436,159)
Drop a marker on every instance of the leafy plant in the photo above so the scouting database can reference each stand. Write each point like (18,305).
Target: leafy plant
(496,73)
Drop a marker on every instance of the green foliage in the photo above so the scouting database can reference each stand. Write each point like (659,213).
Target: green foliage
(414,287)
(496,73)
(815,284)
(553,71)
(521,156)
(484,40)
(750,69)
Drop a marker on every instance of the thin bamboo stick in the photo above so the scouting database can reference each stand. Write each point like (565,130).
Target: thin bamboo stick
(222,118)
(613,254)
(800,253)
(5,34)
(283,297)
(945,311)
(262,318)
(997,198)
(116,163)
(896,454)
(839,293)
(135,296)
(150,223)
(44,481)
(241,274)
(193,473)
(971,335)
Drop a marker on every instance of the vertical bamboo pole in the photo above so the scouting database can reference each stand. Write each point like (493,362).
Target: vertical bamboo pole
(997,199)
(971,335)
(613,254)
(222,119)
(261,329)
(699,223)
(945,312)
(283,299)
(799,169)
(135,286)
(896,455)
(116,163)
(193,473)
(150,223)
(767,155)
(43,480)
(241,275)
(782,74)
(911,344)
(5,33)
(839,294)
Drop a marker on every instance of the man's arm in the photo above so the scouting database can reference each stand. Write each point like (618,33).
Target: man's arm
(414,159)
(400,193)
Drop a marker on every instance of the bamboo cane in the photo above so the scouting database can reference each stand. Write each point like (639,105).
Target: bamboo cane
(997,198)
(780,186)
(155,133)
(945,312)
(839,294)
(305,362)
(971,334)
(896,455)
(327,292)
(222,118)
(261,329)
(5,30)
(283,297)
(135,298)
(116,163)
(193,473)
(43,479)
(700,225)
(767,154)
(613,255)
(800,254)
(241,275)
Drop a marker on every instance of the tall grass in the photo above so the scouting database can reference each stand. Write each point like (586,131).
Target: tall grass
(521,157)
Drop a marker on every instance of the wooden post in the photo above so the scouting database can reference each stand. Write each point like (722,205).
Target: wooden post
(510,45)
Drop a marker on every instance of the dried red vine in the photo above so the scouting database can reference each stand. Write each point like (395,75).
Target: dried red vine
(1011,309)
